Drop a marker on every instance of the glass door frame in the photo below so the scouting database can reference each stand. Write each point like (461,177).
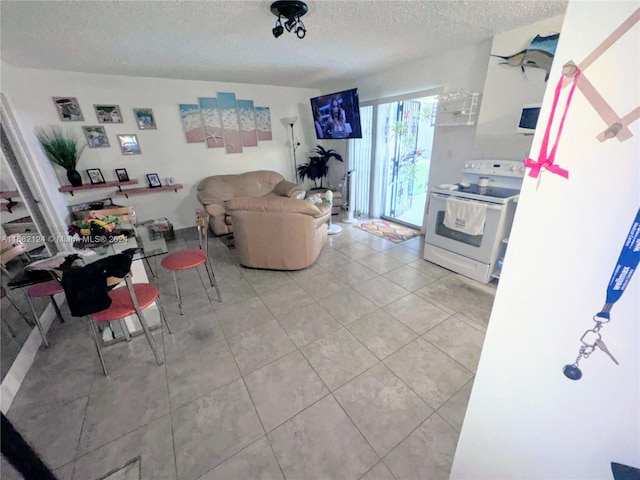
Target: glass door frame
(377,158)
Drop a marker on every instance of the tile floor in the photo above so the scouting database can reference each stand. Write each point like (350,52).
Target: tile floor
(359,367)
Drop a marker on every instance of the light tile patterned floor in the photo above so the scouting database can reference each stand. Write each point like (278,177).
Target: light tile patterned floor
(359,367)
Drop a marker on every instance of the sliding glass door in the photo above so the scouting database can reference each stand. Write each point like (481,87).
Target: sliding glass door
(391,162)
(404,152)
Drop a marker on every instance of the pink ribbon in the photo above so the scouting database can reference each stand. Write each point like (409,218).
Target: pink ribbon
(545,160)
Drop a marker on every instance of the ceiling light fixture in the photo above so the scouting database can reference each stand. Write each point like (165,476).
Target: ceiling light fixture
(292,10)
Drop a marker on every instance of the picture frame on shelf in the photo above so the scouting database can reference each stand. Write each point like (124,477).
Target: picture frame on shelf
(169,181)
(108,113)
(129,144)
(68,109)
(95,175)
(96,137)
(145,118)
(122,175)
(154,180)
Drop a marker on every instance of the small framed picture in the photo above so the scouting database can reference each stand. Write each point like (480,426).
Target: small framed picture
(122,174)
(129,144)
(96,137)
(95,175)
(108,113)
(68,109)
(145,118)
(169,181)
(154,180)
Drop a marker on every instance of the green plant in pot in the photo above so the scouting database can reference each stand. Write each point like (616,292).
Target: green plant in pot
(64,149)
(318,166)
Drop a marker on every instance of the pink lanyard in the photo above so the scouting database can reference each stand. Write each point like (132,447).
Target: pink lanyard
(545,160)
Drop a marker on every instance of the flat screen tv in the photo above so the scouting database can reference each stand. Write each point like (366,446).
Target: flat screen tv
(337,115)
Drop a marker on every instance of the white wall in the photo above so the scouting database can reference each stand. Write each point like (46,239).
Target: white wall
(506,90)
(525,419)
(164,151)
(461,69)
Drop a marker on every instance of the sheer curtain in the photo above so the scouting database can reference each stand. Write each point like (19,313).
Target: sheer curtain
(360,151)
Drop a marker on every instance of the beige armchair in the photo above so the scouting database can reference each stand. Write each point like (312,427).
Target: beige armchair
(279,233)
(215,191)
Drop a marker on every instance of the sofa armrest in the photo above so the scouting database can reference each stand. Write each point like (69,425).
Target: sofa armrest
(215,209)
(286,189)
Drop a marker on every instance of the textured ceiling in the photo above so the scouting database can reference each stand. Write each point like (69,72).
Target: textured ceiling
(231,41)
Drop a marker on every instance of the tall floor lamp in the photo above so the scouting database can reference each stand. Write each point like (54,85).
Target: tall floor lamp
(291,121)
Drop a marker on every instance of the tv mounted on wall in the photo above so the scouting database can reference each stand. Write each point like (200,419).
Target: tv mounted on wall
(337,115)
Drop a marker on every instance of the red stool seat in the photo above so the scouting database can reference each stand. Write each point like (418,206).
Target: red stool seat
(44,289)
(122,305)
(184,259)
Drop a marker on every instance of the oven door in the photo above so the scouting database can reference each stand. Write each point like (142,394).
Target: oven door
(477,247)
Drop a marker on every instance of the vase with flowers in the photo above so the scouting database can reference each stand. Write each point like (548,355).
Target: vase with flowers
(63,149)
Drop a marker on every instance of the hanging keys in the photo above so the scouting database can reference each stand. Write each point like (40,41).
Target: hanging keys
(601,345)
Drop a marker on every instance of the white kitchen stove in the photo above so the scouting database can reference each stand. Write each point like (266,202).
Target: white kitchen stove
(493,183)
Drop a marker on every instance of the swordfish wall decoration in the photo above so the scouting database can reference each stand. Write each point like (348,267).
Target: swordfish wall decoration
(539,54)
(224,121)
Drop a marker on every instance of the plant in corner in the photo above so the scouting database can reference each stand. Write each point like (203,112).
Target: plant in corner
(63,149)
(318,166)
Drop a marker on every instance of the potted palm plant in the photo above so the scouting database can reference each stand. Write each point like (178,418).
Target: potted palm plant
(63,149)
(318,166)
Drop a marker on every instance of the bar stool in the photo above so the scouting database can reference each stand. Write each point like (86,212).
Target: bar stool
(90,289)
(186,259)
(126,301)
(12,249)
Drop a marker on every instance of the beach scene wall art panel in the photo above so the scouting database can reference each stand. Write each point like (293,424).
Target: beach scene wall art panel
(211,122)
(263,122)
(230,121)
(192,122)
(248,129)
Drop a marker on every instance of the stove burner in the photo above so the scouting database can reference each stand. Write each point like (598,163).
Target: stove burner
(494,192)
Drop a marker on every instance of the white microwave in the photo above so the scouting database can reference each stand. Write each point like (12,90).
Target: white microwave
(529,118)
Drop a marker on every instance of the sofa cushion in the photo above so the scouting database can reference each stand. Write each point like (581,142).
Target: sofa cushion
(274,204)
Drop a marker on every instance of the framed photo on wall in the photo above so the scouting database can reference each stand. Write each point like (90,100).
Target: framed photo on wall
(108,113)
(122,175)
(154,180)
(68,109)
(145,118)
(96,137)
(95,175)
(129,144)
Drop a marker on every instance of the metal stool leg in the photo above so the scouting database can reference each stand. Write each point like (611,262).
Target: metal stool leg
(146,259)
(125,330)
(175,282)
(212,278)
(96,340)
(38,324)
(19,311)
(163,315)
(12,332)
(57,309)
(143,322)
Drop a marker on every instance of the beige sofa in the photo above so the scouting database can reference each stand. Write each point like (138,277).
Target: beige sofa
(278,233)
(215,191)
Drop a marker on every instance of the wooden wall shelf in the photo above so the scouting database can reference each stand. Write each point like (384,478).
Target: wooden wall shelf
(143,190)
(70,188)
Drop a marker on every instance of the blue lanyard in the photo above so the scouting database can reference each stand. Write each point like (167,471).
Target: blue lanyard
(624,269)
(622,273)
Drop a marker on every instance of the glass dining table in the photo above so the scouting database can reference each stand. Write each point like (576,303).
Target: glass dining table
(142,236)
